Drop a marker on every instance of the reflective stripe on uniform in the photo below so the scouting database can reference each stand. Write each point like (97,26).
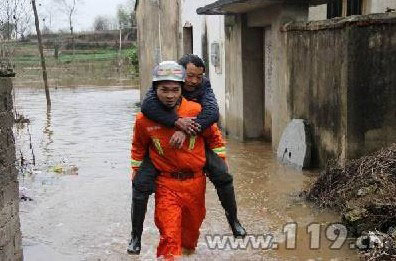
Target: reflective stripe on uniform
(221,150)
(157,145)
(136,163)
(192,142)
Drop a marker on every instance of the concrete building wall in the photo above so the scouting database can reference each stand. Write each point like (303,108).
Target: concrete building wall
(281,95)
(158,36)
(341,79)
(234,81)
(268,86)
(244,81)
(253,80)
(249,51)
(371,87)
(317,84)
(10,234)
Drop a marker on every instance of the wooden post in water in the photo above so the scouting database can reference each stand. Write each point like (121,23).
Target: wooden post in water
(40,45)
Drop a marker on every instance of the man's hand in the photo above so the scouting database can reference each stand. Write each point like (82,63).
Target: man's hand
(177,139)
(132,174)
(188,125)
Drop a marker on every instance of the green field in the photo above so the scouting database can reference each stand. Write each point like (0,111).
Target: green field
(98,67)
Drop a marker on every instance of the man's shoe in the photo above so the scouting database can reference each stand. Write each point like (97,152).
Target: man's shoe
(227,199)
(237,229)
(134,246)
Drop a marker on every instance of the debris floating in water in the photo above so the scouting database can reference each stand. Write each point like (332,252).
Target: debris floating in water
(65,169)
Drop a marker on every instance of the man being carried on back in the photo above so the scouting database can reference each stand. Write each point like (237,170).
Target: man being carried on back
(196,88)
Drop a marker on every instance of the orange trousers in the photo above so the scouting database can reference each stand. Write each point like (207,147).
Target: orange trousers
(179,212)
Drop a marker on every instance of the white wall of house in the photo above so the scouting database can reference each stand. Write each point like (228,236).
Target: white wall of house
(189,17)
(213,26)
(215,32)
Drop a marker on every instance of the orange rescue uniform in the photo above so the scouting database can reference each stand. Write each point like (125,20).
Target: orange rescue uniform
(179,203)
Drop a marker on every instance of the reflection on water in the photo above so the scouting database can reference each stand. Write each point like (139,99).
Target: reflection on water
(86,216)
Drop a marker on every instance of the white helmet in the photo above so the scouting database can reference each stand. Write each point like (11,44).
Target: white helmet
(169,71)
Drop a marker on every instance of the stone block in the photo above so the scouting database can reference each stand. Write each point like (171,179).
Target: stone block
(5,95)
(295,145)
(10,234)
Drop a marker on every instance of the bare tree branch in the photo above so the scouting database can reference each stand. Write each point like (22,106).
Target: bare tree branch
(69,7)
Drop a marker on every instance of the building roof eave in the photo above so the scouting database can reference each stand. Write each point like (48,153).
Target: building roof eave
(229,7)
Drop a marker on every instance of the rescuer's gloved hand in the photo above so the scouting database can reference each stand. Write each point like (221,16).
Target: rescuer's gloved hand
(132,174)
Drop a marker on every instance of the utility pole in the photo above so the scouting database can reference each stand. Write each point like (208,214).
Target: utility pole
(120,48)
(40,45)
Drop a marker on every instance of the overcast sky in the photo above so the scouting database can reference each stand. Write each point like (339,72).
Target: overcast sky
(86,13)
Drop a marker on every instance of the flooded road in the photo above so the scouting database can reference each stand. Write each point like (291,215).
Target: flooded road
(81,189)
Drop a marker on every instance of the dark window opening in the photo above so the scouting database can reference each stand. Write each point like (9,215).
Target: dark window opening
(354,7)
(334,9)
(188,40)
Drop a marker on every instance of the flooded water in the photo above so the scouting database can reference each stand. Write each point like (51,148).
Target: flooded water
(81,190)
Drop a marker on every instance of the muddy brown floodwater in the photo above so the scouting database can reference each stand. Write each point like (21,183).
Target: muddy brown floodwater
(87,216)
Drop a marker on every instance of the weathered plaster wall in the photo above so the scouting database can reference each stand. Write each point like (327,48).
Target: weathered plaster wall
(268,86)
(280,77)
(245,45)
(10,234)
(253,81)
(158,36)
(317,68)
(341,78)
(234,81)
(244,81)
(379,6)
(371,87)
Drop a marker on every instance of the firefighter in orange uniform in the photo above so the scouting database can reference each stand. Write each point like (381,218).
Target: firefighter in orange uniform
(180,187)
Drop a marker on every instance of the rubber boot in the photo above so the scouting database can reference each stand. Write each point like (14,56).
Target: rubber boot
(227,198)
(138,213)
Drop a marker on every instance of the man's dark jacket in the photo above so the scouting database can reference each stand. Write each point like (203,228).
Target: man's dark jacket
(154,110)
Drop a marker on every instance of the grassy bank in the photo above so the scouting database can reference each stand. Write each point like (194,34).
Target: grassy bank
(98,67)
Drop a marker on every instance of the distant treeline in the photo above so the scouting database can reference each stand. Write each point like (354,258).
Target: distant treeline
(87,40)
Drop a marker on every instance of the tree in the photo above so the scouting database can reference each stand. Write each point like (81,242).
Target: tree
(125,15)
(101,23)
(69,7)
(7,29)
(15,18)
